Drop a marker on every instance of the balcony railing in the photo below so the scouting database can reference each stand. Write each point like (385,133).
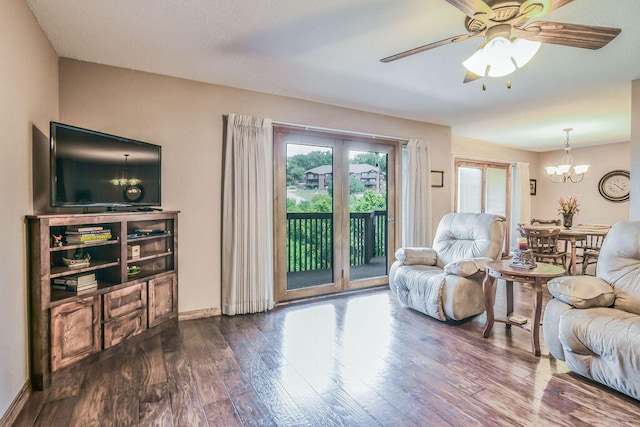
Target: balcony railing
(310,239)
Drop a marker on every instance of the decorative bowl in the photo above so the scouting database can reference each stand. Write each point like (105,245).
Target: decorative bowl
(76,263)
(133,270)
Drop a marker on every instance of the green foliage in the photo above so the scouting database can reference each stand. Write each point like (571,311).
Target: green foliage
(370,201)
(355,185)
(373,159)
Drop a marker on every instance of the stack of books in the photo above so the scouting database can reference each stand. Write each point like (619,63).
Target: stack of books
(86,234)
(76,283)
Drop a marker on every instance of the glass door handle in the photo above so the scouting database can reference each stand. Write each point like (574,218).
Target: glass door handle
(391,219)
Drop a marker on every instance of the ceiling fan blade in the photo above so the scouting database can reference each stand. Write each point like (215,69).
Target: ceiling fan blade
(574,35)
(538,8)
(469,77)
(477,9)
(427,47)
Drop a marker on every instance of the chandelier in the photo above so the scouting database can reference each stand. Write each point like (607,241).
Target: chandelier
(124,181)
(566,171)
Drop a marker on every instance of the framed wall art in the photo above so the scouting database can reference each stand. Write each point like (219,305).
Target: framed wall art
(437,178)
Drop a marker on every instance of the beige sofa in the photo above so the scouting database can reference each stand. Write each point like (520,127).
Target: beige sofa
(445,281)
(593,323)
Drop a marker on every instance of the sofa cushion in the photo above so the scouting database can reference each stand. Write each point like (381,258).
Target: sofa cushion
(582,291)
(467,267)
(416,256)
(602,344)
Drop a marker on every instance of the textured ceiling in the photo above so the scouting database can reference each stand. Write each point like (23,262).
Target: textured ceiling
(329,52)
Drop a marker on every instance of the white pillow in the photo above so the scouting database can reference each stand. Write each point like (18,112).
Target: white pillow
(413,256)
(582,291)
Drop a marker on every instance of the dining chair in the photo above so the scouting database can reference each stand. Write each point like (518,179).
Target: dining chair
(544,245)
(537,221)
(590,247)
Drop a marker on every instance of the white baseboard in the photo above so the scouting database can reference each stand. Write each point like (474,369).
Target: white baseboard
(199,314)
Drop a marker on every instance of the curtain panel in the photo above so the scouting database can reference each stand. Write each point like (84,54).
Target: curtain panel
(521,201)
(247,205)
(416,200)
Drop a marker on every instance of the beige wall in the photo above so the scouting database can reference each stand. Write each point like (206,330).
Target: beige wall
(185,117)
(593,207)
(29,88)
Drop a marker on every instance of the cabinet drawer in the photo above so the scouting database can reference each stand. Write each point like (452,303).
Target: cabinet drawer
(75,331)
(124,301)
(119,329)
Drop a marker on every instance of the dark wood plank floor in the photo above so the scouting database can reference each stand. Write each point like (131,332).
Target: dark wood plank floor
(356,360)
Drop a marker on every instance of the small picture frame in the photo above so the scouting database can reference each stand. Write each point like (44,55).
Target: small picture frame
(437,178)
(532,187)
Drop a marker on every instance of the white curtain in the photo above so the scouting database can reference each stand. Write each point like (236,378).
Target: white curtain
(521,205)
(247,228)
(416,192)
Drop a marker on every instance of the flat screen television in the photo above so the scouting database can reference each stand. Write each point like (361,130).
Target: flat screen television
(90,168)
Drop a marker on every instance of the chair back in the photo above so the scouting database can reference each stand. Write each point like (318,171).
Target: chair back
(542,242)
(619,264)
(468,235)
(537,221)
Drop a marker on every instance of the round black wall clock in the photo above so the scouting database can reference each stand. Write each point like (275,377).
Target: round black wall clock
(615,186)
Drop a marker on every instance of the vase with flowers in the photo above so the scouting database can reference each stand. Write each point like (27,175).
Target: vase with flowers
(568,207)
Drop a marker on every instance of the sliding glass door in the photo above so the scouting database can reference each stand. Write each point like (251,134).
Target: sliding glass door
(334,201)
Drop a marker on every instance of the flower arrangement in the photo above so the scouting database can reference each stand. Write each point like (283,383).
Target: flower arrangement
(568,205)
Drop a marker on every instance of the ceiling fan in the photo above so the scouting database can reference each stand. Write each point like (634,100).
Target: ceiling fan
(510,40)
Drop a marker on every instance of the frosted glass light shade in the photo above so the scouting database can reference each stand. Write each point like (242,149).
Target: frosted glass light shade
(581,168)
(552,170)
(524,50)
(564,168)
(500,56)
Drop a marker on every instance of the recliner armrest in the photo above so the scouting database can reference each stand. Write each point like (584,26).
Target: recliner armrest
(467,267)
(417,256)
(582,291)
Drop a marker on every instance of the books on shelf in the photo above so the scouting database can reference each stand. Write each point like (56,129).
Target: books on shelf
(87,236)
(76,288)
(75,280)
(84,228)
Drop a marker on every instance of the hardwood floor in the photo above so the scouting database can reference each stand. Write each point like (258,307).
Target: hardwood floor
(355,360)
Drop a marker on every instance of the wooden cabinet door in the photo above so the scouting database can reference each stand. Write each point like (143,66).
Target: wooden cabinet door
(121,328)
(75,331)
(163,299)
(126,300)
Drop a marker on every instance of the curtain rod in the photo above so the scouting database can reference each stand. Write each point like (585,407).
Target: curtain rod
(338,131)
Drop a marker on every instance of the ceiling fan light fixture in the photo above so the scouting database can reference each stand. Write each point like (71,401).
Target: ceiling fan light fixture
(477,63)
(501,56)
(524,50)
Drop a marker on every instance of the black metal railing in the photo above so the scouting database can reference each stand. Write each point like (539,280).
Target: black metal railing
(310,239)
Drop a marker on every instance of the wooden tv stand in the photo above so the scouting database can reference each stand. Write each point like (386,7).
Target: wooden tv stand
(65,326)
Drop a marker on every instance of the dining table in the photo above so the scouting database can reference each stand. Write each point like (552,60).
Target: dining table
(573,235)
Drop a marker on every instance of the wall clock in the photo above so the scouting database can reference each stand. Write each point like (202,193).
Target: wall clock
(615,186)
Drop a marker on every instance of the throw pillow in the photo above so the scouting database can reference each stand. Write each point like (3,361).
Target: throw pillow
(582,291)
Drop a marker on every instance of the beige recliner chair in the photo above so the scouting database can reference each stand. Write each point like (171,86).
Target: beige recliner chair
(445,281)
(593,323)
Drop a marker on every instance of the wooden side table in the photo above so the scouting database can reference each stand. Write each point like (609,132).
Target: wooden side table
(535,276)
